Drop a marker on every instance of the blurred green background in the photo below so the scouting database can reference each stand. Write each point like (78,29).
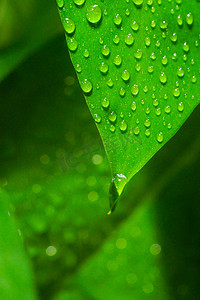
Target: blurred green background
(55,178)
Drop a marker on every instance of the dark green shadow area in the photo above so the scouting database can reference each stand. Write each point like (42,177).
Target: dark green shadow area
(177,215)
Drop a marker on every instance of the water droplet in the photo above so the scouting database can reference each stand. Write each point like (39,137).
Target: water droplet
(69,26)
(138,2)
(123,126)
(134,106)
(163,78)
(176,92)
(129,39)
(105,51)
(117,20)
(193,79)
(136,130)
(147,132)
(94,14)
(122,92)
(79,2)
(117,60)
(112,117)
(180,72)
(105,103)
(147,41)
(167,109)
(148,111)
(179,20)
(153,56)
(97,118)
(164,60)
(78,68)
(150,69)
(116,39)
(153,24)
(110,83)
(103,68)
(180,107)
(60,3)
(86,86)
(189,19)
(112,128)
(160,137)
(134,90)
(134,26)
(125,75)
(138,54)
(158,111)
(145,89)
(86,53)
(72,44)
(163,25)
(147,123)
(174,37)
(186,47)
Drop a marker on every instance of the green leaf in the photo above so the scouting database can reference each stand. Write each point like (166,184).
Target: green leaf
(15,275)
(138,65)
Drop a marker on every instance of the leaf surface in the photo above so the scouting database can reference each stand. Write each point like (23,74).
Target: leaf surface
(138,65)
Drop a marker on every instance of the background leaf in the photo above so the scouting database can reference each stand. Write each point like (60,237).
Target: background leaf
(138,65)
(24,30)
(15,275)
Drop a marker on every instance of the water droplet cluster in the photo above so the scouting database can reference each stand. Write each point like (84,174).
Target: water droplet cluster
(136,84)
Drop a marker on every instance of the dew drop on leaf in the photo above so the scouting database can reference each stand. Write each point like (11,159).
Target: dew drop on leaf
(60,3)
(125,75)
(134,90)
(94,14)
(69,26)
(86,86)
(160,137)
(189,19)
(123,126)
(180,107)
(72,44)
(79,2)
(112,117)
(105,103)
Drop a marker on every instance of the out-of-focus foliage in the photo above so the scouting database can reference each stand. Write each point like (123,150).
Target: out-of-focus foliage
(15,277)
(25,26)
(55,174)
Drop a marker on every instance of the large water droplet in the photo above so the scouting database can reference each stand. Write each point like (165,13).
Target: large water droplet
(160,137)
(123,126)
(60,3)
(103,68)
(79,2)
(86,86)
(189,19)
(134,90)
(125,75)
(138,2)
(117,20)
(94,14)
(69,26)
(72,44)
(117,60)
